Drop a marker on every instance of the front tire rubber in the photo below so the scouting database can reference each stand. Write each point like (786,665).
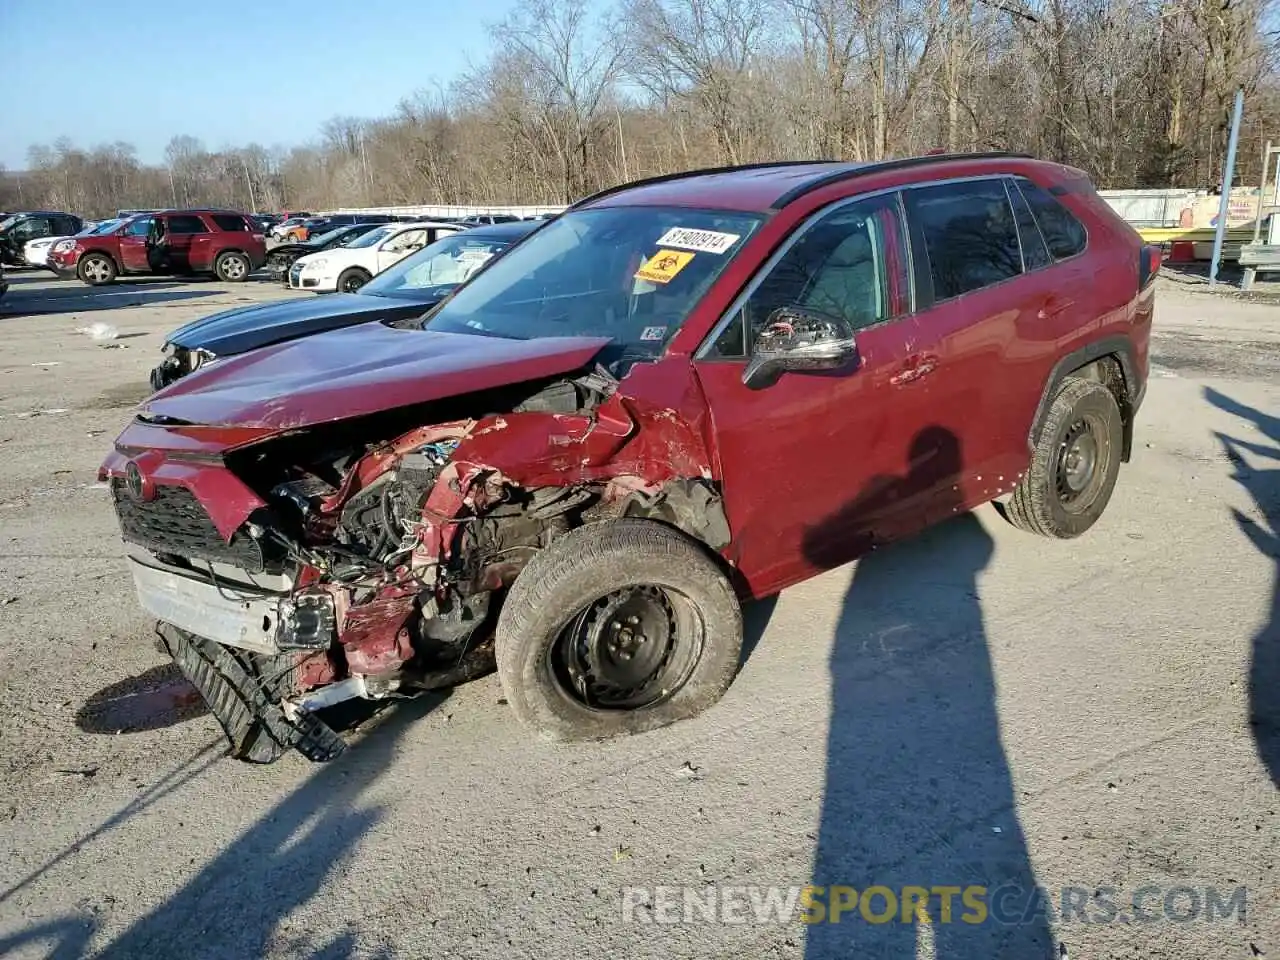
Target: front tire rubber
(96,269)
(1074,467)
(232,267)
(352,279)
(597,571)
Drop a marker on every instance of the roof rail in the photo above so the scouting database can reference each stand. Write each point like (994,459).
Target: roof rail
(666,177)
(880,166)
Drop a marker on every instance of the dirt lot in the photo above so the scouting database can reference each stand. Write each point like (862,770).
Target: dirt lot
(971,708)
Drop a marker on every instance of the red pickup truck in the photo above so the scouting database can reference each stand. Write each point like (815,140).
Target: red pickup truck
(223,243)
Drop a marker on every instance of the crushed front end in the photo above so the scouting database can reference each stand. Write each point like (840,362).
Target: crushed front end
(290,570)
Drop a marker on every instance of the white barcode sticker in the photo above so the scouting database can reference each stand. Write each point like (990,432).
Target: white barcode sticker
(704,241)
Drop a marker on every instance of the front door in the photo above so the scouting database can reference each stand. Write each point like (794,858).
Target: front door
(818,467)
(400,246)
(135,245)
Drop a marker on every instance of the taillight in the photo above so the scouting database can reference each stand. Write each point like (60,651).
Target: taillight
(1148,265)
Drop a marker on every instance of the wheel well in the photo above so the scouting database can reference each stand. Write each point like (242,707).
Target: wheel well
(1109,371)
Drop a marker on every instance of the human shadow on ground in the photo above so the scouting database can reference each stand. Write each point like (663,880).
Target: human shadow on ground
(235,905)
(1263,485)
(918,791)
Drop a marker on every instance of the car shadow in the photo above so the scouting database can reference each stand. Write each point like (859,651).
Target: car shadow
(918,790)
(74,297)
(234,905)
(1263,485)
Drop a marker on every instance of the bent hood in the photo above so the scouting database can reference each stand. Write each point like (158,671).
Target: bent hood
(247,328)
(358,371)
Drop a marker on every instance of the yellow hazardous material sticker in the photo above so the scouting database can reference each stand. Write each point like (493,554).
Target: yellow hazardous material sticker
(663,266)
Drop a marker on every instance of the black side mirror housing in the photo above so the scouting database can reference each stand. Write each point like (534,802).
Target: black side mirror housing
(796,339)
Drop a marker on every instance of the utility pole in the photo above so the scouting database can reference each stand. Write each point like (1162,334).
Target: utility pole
(253,204)
(1228,174)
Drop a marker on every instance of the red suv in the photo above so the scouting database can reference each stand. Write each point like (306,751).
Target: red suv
(679,394)
(220,242)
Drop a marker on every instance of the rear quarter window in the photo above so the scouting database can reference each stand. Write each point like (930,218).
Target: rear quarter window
(230,221)
(1064,235)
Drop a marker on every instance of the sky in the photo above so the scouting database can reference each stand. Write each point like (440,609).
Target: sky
(269,72)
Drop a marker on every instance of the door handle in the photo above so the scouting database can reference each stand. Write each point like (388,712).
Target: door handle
(914,369)
(1053,306)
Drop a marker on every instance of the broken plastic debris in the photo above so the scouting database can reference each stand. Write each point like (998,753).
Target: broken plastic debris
(99,331)
(41,413)
(48,363)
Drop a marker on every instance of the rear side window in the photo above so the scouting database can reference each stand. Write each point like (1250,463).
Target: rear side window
(1034,252)
(1063,233)
(185,223)
(230,221)
(969,235)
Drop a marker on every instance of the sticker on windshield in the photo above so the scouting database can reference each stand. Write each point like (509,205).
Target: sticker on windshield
(663,266)
(653,333)
(704,241)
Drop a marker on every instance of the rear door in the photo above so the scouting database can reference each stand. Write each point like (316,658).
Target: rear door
(974,300)
(182,252)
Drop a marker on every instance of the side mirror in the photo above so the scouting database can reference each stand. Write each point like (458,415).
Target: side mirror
(799,340)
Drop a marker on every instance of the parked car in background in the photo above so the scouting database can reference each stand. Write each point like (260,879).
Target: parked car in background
(347,269)
(582,463)
(4,284)
(280,229)
(223,243)
(400,295)
(281,257)
(36,252)
(19,229)
(488,219)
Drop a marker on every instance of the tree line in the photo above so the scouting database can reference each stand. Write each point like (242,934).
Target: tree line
(571,98)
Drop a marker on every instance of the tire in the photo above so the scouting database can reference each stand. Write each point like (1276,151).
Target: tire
(352,279)
(583,575)
(1052,499)
(97,269)
(232,267)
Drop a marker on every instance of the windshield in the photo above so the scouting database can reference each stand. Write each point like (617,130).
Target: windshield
(447,262)
(372,238)
(320,239)
(628,273)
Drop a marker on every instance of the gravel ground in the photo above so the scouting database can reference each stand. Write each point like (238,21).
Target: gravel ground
(974,707)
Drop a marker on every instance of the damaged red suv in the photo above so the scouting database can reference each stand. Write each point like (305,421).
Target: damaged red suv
(683,393)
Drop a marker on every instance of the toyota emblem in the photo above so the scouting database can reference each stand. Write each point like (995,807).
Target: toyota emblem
(138,486)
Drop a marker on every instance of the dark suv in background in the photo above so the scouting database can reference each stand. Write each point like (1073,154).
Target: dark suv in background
(224,243)
(17,229)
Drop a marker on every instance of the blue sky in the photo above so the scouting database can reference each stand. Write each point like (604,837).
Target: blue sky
(144,71)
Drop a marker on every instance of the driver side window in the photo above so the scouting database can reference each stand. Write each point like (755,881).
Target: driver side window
(139,228)
(409,240)
(851,263)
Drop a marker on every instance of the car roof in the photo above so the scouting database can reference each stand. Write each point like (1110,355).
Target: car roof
(760,187)
(504,231)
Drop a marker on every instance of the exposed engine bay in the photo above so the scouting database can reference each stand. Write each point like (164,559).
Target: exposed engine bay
(376,569)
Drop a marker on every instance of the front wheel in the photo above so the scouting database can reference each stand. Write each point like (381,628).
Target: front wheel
(352,279)
(96,269)
(232,267)
(616,628)
(1073,470)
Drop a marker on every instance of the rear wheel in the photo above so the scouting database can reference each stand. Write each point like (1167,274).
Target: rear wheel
(617,628)
(96,269)
(231,267)
(352,279)
(1073,470)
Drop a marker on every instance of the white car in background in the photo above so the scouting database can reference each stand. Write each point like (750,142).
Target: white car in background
(36,252)
(347,269)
